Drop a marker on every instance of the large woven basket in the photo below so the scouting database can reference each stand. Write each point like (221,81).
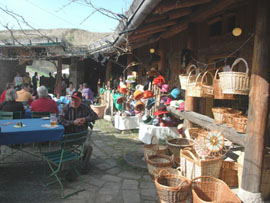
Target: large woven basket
(183,77)
(172,188)
(207,189)
(192,166)
(151,148)
(229,115)
(172,171)
(200,88)
(229,173)
(155,162)
(176,144)
(240,123)
(218,113)
(235,82)
(217,88)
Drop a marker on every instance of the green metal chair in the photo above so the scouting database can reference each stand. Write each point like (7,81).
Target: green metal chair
(4,115)
(37,114)
(72,147)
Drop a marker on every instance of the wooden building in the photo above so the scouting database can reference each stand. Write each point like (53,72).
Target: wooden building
(200,32)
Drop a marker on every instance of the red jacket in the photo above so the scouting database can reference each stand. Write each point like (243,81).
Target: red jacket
(44,105)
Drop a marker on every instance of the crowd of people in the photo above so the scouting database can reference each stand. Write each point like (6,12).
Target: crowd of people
(75,116)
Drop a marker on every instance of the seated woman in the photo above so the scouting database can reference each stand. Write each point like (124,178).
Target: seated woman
(10,104)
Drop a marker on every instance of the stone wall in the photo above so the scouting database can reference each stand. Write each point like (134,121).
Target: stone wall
(8,71)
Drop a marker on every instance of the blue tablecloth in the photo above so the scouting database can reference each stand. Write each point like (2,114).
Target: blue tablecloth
(32,132)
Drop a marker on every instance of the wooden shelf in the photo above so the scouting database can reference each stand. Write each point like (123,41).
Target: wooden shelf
(210,124)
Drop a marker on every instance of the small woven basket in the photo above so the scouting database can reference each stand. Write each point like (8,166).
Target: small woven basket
(155,162)
(228,116)
(209,189)
(192,166)
(183,77)
(218,113)
(235,82)
(176,144)
(172,188)
(217,88)
(240,123)
(229,173)
(151,149)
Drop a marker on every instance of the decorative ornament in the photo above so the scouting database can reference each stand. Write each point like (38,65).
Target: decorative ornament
(214,141)
(201,148)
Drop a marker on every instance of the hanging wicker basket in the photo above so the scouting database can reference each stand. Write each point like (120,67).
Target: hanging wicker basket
(152,149)
(183,77)
(172,188)
(235,82)
(209,189)
(217,88)
(200,88)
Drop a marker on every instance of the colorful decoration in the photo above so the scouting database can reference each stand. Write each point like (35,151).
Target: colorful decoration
(214,141)
(201,148)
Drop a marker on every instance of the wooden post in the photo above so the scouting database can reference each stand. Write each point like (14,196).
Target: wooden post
(162,53)
(108,71)
(258,101)
(190,101)
(58,89)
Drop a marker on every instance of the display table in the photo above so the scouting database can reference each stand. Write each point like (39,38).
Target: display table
(126,123)
(147,131)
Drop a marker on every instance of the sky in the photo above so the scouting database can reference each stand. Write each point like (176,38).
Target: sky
(51,14)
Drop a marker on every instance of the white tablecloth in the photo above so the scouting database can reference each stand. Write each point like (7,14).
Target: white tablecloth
(126,123)
(147,131)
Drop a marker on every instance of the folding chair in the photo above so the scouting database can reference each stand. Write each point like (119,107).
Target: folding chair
(37,114)
(4,115)
(72,148)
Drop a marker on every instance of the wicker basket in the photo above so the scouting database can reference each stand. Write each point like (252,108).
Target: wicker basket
(99,110)
(218,113)
(229,173)
(217,88)
(209,189)
(176,144)
(240,123)
(199,87)
(228,116)
(151,149)
(155,162)
(192,133)
(172,188)
(183,77)
(235,82)
(192,166)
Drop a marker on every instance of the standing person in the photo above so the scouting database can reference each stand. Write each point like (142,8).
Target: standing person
(34,82)
(27,78)
(70,90)
(87,92)
(80,89)
(8,86)
(18,80)
(24,95)
(76,117)
(44,103)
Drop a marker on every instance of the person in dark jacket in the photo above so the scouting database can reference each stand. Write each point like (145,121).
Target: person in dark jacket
(10,104)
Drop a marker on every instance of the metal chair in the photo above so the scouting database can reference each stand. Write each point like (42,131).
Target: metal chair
(71,150)
(4,115)
(37,114)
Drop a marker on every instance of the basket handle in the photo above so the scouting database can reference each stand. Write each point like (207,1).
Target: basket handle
(210,177)
(179,171)
(163,171)
(157,144)
(204,76)
(181,184)
(239,60)
(190,153)
(190,74)
(190,68)
(215,77)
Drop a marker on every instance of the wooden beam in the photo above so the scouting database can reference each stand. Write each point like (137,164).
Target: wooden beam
(156,25)
(171,5)
(137,37)
(174,30)
(144,42)
(155,18)
(258,101)
(209,123)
